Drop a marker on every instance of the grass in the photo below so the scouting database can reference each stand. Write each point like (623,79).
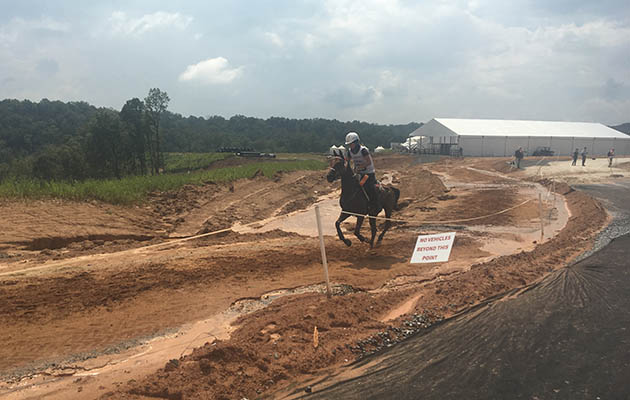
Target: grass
(177,162)
(133,190)
(301,156)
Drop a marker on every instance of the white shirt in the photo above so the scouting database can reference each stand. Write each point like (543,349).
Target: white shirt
(362,164)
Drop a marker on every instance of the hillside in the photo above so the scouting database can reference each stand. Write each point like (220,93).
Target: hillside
(625,128)
(76,141)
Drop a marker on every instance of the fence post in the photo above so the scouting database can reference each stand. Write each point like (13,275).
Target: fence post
(542,223)
(323,249)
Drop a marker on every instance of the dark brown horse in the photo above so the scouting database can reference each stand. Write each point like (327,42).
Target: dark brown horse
(354,199)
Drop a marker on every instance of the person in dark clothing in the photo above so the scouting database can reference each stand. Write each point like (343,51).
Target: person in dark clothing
(518,154)
(584,154)
(611,155)
(576,153)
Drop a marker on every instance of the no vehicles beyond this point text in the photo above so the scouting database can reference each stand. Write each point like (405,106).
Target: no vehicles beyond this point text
(433,248)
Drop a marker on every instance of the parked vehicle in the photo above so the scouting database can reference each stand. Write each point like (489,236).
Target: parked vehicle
(543,151)
(249,154)
(255,154)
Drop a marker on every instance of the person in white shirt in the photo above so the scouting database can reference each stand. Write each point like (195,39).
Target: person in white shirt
(364,166)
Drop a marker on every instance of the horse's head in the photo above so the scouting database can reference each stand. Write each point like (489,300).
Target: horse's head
(337,166)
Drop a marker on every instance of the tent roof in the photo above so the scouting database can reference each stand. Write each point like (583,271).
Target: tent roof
(499,127)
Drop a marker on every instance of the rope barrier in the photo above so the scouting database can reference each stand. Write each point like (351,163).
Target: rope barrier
(438,222)
(176,241)
(140,249)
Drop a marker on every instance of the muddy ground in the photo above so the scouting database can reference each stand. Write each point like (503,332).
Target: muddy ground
(106,301)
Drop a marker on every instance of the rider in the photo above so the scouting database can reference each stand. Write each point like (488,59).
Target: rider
(364,166)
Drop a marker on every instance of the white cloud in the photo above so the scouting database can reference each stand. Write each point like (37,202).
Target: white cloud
(389,79)
(378,60)
(44,23)
(353,96)
(592,34)
(211,71)
(124,25)
(274,38)
(18,27)
(310,41)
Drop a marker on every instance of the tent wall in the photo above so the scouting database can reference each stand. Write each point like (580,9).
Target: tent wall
(505,146)
(471,145)
(501,138)
(601,147)
(513,143)
(442,139)
(561,146)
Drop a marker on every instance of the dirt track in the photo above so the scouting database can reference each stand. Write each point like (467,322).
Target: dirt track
(76,283)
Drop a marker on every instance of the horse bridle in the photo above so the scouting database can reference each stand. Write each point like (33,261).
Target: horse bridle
(335,158)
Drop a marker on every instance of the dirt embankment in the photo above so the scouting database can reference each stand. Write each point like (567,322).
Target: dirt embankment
(276,345)
(76,301)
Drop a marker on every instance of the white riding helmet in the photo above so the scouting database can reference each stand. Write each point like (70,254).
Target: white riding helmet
(352,137)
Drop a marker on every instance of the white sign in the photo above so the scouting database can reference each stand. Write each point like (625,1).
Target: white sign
(433,248)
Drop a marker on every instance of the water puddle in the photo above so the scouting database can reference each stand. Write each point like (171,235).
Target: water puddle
(512,239)
(302,222)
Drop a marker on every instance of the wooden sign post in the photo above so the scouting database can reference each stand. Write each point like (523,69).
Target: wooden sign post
(323,249)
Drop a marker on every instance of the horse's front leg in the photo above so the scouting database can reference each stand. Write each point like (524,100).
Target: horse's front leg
(357,230)
(373,229)
(388,223)
(385,228)
(342,217)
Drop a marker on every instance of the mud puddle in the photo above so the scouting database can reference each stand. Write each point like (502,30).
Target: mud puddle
(89,378)
(497,241)
(508,240)
(302,222)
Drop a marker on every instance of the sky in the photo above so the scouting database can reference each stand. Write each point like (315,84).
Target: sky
(380,61)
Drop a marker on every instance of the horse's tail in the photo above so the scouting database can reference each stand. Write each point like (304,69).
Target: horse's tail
(396,197)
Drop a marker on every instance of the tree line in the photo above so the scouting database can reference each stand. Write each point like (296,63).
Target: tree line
(53,140)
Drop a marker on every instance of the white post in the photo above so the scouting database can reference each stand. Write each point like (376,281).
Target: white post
(553,187)
(323,249)
(542,223)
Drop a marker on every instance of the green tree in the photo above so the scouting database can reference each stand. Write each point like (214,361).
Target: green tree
(105,146)
(156,104)
(133,118)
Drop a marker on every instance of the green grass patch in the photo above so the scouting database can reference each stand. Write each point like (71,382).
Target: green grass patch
(134,189)
(177,162)
(301,156)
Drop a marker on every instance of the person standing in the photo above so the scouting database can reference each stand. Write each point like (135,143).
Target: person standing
(518,154)
(611,155)
(576,153)
(584,154)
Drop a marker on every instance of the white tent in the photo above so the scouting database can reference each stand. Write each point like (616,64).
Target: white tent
(379,149)
(335,149)
(488,137)
(415,143)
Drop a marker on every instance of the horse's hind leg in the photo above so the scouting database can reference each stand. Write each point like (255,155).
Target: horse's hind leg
(342,217)
(357,230)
